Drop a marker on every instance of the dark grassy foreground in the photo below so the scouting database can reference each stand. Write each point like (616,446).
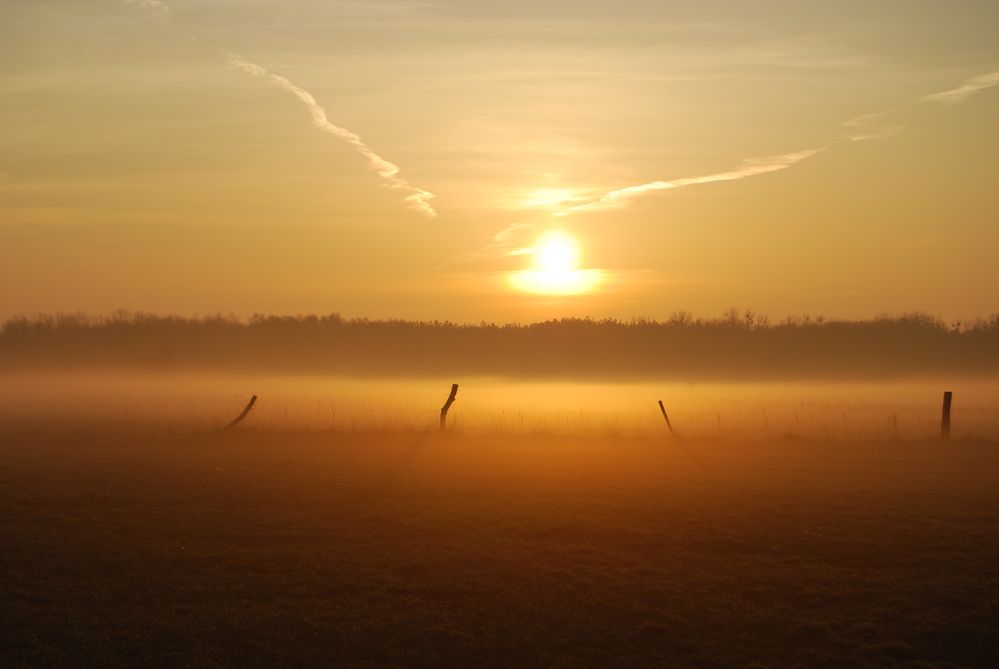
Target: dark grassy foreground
(408,549)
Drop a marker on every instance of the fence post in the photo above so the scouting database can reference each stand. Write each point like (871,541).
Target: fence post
(240,417)
(668,424)
(447,404)
(945,417)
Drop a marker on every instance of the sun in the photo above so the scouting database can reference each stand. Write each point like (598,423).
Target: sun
(556,269)
(556,252)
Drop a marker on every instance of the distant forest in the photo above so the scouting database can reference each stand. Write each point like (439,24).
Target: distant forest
(735,346)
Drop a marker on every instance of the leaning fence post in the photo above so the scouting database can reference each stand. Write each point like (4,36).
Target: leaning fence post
(668,424)
(240,417)
(945,417)
(447,404)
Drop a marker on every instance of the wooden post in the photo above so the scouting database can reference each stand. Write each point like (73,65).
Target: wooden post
(945,417)
(240,417)
(668,424)
(447,404)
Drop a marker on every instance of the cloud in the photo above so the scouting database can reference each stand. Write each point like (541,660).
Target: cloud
(415,198)
(969,87)
(506,234)
(873,126)
(869,126)
(877,125)
(502,245)
(880,125)
(751,167)
(150,5)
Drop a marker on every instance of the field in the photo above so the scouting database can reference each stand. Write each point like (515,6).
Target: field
(134,546)
(906,409)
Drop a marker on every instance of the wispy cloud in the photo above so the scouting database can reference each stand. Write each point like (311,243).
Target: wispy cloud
(969,87)
(154,5)
(878,125)
(873,126)
(750,167)
(502,245)
(415,198)
(882,124)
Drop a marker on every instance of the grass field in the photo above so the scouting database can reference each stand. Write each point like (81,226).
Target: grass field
(130,547)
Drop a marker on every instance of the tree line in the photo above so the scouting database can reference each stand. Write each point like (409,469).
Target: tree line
(737,345)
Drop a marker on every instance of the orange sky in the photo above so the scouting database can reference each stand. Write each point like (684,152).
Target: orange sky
(398,158)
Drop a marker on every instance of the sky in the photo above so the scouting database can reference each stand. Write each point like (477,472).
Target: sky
(396,158)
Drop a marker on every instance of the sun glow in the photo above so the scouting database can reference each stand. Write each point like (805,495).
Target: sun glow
(556,268)
(547,197)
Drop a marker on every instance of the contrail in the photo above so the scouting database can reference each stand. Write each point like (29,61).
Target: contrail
(967,88)
(415,198)
(621,197)
(869,126)
(750,167)
(875,126)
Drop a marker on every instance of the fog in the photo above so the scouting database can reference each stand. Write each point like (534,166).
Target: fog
(907,409)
